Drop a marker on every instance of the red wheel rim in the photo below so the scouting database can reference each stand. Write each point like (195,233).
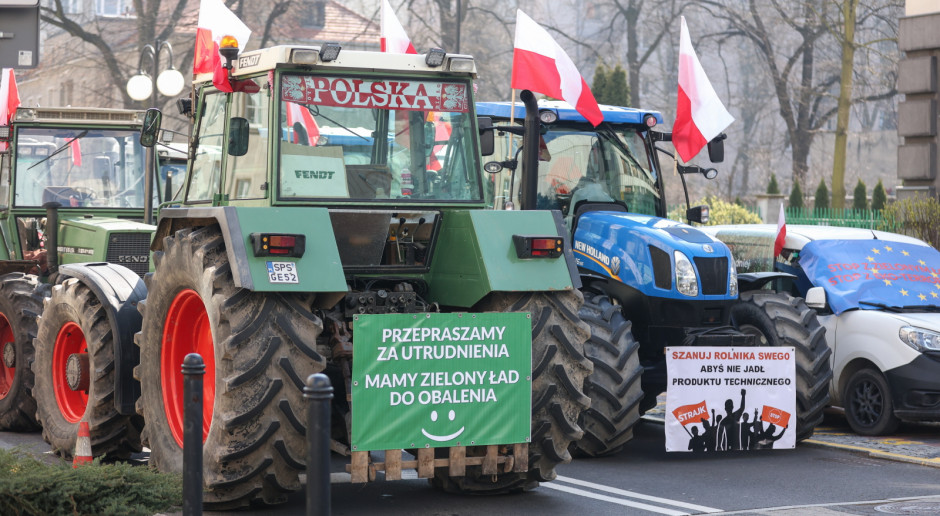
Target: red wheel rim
(186,331)
(7,374)
(72,404)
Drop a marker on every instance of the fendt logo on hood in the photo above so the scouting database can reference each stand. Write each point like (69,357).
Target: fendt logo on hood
(133,258)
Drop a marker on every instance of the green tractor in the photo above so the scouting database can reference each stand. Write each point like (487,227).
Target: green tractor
(73,196)
(333,188)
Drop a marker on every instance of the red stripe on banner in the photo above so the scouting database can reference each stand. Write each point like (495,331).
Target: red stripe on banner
(686,137)
(531,71)
(383,44)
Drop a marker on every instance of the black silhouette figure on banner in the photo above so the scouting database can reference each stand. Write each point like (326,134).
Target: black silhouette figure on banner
(710,433)
(730,428)
(697,442)
(767,438)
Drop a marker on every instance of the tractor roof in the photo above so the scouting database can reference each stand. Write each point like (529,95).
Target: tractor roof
(308,57)
(75,115)
(567,113)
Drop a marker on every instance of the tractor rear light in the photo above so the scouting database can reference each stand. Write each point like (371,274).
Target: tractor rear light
(649,120)
(538,246)
(272,244)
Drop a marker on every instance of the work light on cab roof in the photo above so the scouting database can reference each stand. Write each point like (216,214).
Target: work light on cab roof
(228,47)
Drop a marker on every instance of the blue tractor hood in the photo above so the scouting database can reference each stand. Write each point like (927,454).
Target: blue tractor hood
(639,251)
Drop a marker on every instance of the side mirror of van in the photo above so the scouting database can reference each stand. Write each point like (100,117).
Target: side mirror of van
(816,298)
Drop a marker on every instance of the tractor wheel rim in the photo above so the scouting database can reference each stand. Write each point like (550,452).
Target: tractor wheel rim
(72,404)
(186,331)
(750,329)
(7,374)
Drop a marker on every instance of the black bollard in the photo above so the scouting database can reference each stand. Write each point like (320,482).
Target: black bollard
(320,393)
(193,371)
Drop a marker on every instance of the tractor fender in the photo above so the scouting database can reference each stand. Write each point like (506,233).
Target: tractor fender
(756,280)
(119,290)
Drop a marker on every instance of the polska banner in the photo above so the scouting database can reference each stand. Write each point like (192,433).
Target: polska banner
(749,398)
(392,94)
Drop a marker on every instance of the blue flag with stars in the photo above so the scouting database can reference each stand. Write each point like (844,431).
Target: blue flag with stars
(876,271)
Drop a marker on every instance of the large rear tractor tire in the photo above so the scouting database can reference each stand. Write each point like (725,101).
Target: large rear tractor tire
(258,348)
(559,368)
(614,386)
(74,371)
(20,304)
(778,319)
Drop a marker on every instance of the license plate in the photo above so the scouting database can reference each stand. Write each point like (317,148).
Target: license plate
(282,272)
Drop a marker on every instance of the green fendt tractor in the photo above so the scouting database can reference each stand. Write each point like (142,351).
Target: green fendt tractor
(333,220)
(72,198)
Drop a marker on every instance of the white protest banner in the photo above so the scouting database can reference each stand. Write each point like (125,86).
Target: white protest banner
(724,399)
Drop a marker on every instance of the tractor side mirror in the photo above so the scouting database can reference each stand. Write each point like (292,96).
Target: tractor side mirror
(238,136)
(150,129)
(487,136)
(716,148)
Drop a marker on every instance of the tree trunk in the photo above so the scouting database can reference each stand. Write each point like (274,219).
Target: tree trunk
(849,8)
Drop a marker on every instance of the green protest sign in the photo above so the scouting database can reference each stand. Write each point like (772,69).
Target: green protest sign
(432,380)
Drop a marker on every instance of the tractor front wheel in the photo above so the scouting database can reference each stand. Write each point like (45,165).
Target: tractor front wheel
(779,319)
(614,386)
(74,371)
(21,298)
(258,349)
(559,368)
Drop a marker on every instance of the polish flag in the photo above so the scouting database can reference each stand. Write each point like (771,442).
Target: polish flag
(394,38)
(215,22)
(700,115)
(539,64)
(9,99)
(297,114)
(781,231)
(75,149)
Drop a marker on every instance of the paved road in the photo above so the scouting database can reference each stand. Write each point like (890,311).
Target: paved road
(836,473)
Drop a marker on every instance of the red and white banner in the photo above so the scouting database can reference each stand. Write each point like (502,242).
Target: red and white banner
(539,64)
(299,117)
(393,94)
(394,38)
(700,115)
(725,399)
(781,231)
(215,22)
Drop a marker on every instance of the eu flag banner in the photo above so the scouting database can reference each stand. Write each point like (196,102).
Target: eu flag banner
(856,272)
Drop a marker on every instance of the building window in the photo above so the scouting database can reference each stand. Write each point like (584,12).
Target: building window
(114,8)
(314,15)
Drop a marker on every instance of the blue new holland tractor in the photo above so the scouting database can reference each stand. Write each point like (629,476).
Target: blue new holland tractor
(649,282)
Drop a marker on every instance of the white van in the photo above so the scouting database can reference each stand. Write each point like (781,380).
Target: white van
(878,296)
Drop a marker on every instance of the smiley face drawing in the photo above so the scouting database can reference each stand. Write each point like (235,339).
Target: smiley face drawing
(441,438)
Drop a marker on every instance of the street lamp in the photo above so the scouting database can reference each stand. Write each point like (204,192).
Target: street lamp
(169,82)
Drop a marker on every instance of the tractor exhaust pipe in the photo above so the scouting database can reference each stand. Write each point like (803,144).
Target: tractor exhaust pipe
(530,151)
(51,233)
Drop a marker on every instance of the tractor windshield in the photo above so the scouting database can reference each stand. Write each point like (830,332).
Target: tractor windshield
(400,140)
(79,167)
(582,163)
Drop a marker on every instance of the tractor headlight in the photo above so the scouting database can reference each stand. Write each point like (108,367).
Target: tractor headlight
(920,339)
(733,282)
(686,282)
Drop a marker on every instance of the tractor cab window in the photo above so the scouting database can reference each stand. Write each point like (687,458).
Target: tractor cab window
(394,140)
(79,167)
(207,165)
(246,175)
(605,164)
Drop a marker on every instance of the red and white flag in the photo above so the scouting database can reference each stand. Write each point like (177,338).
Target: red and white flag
(700,115)
(781,231)
(9,98)
(215,22)
(539,64)
(300,117)
(394,38)
(75,148)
